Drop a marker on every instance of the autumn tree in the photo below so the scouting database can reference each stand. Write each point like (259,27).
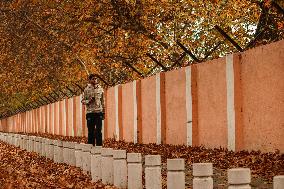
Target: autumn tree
(47,46)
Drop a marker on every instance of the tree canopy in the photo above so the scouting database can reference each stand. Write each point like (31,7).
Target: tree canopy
(48,46)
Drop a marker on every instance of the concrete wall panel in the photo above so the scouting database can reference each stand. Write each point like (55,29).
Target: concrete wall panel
(148,107)
(262,79)
(111,115)
(212,103)
(127,112)
(175,87)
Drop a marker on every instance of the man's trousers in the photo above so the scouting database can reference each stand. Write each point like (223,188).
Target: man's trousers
(94,123)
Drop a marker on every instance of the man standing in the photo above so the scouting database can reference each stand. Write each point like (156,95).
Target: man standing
(93,98)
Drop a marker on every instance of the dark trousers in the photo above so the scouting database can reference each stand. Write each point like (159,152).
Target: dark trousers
(94,123)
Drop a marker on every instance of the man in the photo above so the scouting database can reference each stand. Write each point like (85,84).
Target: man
(93,98)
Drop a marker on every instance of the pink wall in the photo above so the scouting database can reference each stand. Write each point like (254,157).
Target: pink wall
(262,78)
(175,107)
(148,107)
(212,104)
(255,109)
(110,95)
(127,112)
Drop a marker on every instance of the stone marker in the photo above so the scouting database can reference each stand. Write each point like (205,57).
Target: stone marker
(50,149)
(58,151)
(65,152)
(202,173)
(71,153)
(134,170)
(239,178)
(175,175)
(153,172)
(107,165)
(86,160)
(119,168)
(46,147)
(278,182)
(96,169)
(78,155)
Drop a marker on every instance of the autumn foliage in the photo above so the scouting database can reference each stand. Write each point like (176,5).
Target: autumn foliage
(45,45)
(264,166)
(27,170)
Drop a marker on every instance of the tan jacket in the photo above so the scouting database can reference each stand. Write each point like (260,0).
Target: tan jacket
(93,98)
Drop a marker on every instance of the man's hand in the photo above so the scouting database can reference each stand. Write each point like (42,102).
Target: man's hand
(103,115)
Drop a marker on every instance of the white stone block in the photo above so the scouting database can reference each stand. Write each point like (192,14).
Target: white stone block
(175,164)
(58,151)
(107,166)
(71,153)
(204,183)
(96,150)
(134,171)
(153,172)
(66,153)
(86,147)
(96,169)
(86,157)
(86,162)
(107,151)
(119,168)
(202,169)
(202,175)
(119,154)
(78,155)
(152,160)
(175,175)
(239,176)
(134,157)
(278,182)
(50,150)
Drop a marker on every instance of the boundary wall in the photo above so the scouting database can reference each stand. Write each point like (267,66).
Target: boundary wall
(235,102)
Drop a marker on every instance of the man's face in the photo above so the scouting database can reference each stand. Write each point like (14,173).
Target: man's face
(93,81)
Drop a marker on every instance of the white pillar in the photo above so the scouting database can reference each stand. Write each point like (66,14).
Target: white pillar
(107,165)
(278,182)
(175,176)
(65,152)
(153,172)
(158,109)
(116,95)
(188,105)
(41,146)
(239,178)
(46,147)
(230,102)
(119,168)
(96,170)
(87,157)
(25,142)
(202,173)
(135,112)
(38,145)
(134,170)
(69,153)
(58,151)
(50,151)
(78,155)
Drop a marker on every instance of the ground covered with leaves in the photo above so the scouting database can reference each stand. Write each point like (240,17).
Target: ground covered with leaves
(263,165)
(22,169)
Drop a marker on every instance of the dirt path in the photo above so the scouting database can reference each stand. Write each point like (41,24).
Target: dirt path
(22,169)
(264,166)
